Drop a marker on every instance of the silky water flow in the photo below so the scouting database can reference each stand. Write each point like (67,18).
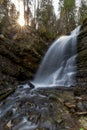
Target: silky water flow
(58,67)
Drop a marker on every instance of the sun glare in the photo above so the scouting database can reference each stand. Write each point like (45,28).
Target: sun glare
(21,20)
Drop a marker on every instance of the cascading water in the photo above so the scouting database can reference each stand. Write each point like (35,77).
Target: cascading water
(58,67)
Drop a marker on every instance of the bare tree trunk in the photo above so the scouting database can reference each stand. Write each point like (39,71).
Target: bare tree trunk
(28,11)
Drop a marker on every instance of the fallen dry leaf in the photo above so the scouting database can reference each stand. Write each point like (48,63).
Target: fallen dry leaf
(70,105)
(9,124)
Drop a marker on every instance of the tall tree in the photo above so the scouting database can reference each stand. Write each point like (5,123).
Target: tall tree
(13,14)
(27,11)
(46,18)
(4,7)
(82,11)
(67,15)
(4,13)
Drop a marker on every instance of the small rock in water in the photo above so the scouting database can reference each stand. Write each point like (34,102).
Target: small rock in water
(31,85)
(80,106)
(53,97)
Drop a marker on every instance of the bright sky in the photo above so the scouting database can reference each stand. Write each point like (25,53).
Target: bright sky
(16,3)
(55,4)
(78,3)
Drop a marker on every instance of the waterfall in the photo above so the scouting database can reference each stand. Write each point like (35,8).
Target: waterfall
(58,67)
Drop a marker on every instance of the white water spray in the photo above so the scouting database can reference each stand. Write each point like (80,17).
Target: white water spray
(58,67)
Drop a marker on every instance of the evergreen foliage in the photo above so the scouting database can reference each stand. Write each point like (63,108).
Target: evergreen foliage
(82,11)
(43,19)
(67,16)
(46,19)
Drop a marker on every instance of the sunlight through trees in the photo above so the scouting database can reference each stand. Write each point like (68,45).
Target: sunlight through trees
(40,15)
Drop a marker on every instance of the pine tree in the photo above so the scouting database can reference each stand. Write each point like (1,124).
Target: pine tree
(13,14)
(46,18)
(82,11)
(4,14)
(67,15)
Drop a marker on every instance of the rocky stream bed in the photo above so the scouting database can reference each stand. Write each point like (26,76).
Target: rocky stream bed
(44,109)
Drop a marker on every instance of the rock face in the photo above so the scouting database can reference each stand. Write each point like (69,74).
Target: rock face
(19,58)
(82,55)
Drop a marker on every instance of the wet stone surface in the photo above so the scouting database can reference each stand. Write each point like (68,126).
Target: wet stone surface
(44,109)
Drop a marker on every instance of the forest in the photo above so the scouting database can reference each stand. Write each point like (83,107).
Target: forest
(40,16)
(43,64)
